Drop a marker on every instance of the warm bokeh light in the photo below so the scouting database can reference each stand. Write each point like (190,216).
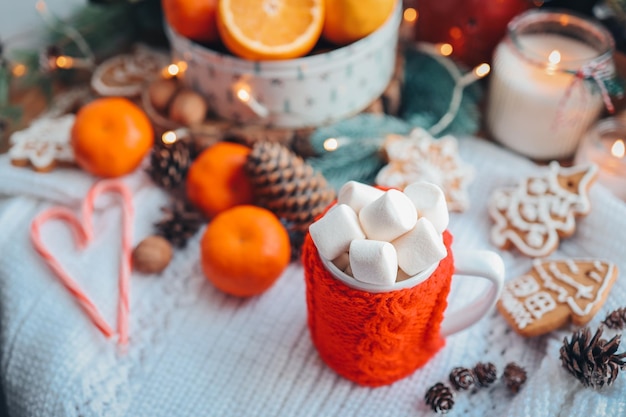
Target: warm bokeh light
(618,149)
(182,66)
(169,137)
(64,62)
(445,49)
(410,15)
(19,70)
(173,70)
(331,144)
(243,95)
(40,6)
(482,70)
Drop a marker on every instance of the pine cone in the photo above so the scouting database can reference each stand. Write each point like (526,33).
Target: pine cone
(514,377)
(285,184)
(592,360)
(440,398)
(462,378)
(180,222)
(616,319)
(485,373)
(169,163)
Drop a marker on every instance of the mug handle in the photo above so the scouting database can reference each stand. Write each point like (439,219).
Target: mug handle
(482,264)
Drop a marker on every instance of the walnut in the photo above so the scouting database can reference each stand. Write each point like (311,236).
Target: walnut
(188,108)
(152,255)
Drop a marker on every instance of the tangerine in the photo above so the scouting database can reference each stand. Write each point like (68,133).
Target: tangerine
(111,136)
(244,250)
(347,21)
(268,30)
(217,179)
(193,19)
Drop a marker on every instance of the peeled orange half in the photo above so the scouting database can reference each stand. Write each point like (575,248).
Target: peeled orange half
(270,29)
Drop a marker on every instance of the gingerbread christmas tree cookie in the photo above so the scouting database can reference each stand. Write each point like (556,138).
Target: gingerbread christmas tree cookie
(541,210)
(554,292)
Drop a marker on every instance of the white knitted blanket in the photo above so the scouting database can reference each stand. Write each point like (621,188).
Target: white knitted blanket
(195,351)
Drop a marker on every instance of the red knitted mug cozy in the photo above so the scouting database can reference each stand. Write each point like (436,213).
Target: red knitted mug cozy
(375,339)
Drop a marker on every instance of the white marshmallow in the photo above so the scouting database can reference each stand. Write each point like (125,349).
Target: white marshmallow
(388,217)
(333,232)
(357,195)
(430,202)
(402,276)
(420,248)
(342,261)
(373,261)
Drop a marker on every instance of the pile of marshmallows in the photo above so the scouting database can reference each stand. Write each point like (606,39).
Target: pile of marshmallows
(383,237)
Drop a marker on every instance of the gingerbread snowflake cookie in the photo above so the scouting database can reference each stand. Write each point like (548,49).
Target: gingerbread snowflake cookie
(44,144)
(554,292)
(541,210)
(126,74)
(419,156)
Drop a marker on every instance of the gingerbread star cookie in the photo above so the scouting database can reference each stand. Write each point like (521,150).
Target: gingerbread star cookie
(420,157)
(554,292)
(541,210)
(44,144)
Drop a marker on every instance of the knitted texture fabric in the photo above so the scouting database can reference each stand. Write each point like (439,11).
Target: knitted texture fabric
(375,339)
(195,351)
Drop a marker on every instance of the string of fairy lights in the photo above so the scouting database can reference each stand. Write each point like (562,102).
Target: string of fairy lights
(52,58)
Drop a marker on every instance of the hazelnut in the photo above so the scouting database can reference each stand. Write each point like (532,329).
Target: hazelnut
(152,255)
(188,108)
(161,93)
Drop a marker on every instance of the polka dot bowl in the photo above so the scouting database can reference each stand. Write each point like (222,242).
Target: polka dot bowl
(306,92)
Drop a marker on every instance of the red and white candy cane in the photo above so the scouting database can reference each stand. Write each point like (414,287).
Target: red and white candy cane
(83,233)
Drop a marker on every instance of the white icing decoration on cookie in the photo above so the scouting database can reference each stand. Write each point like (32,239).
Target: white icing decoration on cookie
(529,212)
(419,156)
(582,291)
(537,186)
(524,286)
(535,237)
(564,295)
(539,304)
(595,276)
(539,208)
(573,268)
(516,309)
(45,141)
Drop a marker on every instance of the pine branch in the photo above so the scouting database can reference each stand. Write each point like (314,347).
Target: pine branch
(427,93)
(357,156)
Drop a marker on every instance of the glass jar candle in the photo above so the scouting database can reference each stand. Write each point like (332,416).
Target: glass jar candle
(549,83)
(605,145)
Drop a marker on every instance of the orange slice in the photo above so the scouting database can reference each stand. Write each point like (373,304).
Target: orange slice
(270,29)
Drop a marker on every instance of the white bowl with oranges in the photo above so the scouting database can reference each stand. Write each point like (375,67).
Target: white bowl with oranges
(256,87)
